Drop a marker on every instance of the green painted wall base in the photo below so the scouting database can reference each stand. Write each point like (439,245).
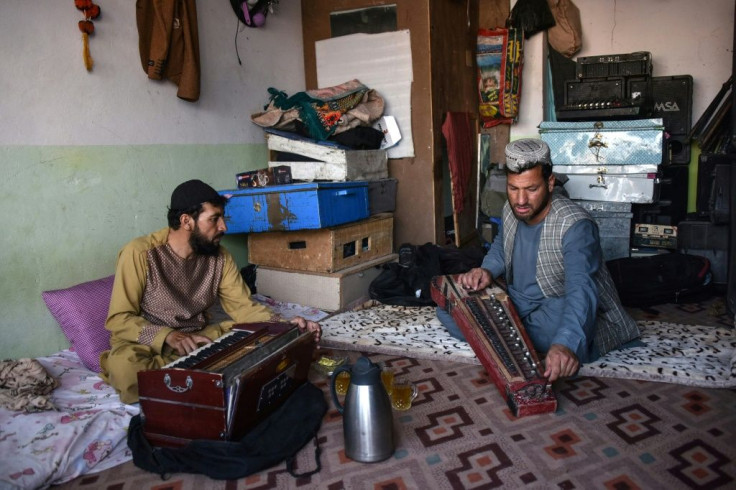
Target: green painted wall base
(68,211)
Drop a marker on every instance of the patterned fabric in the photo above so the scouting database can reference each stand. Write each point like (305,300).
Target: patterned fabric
(459,434)
(400,330)
(607,433)
(178,291)
(84,434)
(614,327)
(550,265)
(526,153)
(323,112)
(500,56)
(674,353)
(133,306)
(25,385)
(81,311)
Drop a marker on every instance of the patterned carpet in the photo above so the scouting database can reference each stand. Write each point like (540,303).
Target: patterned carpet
(607,433)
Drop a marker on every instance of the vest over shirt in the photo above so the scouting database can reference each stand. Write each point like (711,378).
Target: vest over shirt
(156,291)
(614,327)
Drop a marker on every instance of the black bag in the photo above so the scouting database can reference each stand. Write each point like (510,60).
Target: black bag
(407,283)
(531,16)
(403,286)
(275,439)
(663,278)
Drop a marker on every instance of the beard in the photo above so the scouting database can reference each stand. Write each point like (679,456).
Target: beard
(202,246)
(534,211)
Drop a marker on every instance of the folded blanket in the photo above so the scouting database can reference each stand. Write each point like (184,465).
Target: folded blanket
(25,385)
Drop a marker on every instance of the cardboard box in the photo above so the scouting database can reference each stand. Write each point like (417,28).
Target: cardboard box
(326,250)
(322,290)
(303,206)
(329,162)
(658,236)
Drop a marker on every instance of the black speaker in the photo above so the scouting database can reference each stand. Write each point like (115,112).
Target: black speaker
(562,69)
(614,65)
(704,197)
(594,91)
(673,102)
(671,206)
(720,198)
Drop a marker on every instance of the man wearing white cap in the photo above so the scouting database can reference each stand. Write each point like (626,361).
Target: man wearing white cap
(549,251)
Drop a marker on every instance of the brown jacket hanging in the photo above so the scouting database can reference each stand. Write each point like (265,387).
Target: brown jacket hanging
(168,41)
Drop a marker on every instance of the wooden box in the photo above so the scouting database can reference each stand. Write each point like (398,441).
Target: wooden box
(328,162)
(322,290)
(324,250)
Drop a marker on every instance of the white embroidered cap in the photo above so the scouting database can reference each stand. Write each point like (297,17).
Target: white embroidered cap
(526,153)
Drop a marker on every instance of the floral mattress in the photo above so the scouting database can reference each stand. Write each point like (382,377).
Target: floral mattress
(86,433)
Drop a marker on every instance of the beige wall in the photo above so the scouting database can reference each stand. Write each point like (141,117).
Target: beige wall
(89,160)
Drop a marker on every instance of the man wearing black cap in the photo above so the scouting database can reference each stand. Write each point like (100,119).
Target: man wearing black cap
(549,252)
(164,284)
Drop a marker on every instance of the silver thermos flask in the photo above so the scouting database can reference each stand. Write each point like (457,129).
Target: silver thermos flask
(367,420)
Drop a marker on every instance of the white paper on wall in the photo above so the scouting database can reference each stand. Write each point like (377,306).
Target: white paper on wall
(380,61)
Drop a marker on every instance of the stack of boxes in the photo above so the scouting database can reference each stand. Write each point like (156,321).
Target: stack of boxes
(606,166)
(318,241)
(622,137)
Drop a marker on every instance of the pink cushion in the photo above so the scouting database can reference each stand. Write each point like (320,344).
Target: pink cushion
(81,312)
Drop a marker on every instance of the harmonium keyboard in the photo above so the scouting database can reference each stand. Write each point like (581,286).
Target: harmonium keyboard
(494,331)
(225,388)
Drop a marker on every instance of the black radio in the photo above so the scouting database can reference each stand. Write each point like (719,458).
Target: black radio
(606,98)
(614,65)
(599,111)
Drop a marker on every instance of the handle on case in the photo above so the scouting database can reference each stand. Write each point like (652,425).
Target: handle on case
(178,389)
(601,182)
(337,371)
(344,192)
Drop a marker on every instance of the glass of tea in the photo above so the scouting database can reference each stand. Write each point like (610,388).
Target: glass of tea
(387,377)
(342,382)
(402,394)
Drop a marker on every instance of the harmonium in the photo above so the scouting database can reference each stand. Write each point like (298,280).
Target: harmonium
(223,389)
(494,331)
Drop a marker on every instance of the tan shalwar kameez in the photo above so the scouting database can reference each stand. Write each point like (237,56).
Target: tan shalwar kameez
(155,292)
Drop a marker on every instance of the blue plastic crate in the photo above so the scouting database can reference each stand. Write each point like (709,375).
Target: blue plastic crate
(304,206)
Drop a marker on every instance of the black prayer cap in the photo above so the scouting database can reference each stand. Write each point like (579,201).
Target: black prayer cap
(193,193)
